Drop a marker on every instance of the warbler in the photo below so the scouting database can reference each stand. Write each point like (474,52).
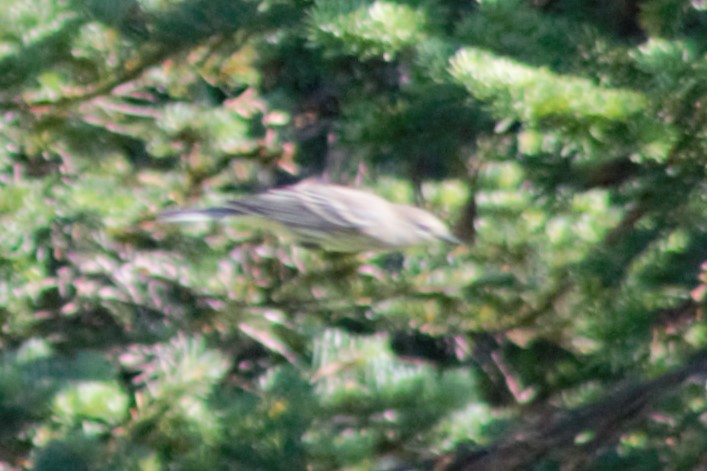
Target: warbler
(331,217)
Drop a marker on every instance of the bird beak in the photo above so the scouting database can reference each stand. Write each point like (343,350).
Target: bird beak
(450,238)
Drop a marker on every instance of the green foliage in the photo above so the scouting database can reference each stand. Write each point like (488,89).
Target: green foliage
(371,28)
(531,94)
(565,141)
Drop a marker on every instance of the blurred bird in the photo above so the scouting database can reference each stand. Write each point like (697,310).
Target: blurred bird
(330,217)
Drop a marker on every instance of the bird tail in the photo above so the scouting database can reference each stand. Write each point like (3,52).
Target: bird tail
(197,215)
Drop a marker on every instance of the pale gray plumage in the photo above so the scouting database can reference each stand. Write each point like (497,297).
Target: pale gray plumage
(332,217)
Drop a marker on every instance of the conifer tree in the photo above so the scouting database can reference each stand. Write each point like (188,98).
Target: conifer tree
(564,141)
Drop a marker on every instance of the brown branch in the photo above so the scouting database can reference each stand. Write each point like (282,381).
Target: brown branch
(185,26)
(100,89)
(556,436)
(626,225)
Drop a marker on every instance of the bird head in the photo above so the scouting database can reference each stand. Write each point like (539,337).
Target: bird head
(427,226)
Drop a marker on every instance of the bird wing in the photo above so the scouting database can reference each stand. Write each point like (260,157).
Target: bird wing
(315,206)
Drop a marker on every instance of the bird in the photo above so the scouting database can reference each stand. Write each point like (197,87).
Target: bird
(330,217)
